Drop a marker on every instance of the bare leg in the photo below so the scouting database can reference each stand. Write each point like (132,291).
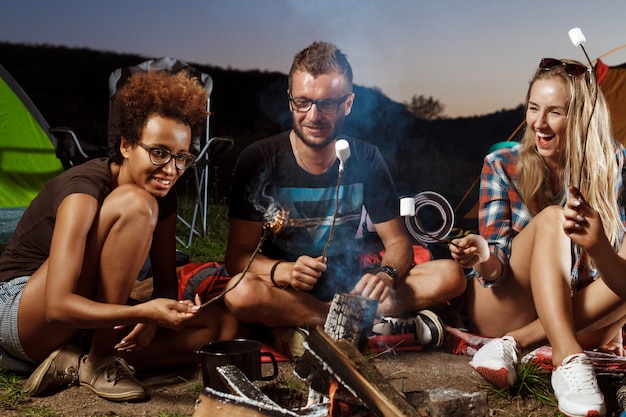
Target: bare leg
(538,285)
(428,284)
(254,301)
(119,247)
(499,310)
(116,247)
(547,252)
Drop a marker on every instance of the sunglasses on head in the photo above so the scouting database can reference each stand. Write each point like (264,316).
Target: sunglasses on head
(573,70)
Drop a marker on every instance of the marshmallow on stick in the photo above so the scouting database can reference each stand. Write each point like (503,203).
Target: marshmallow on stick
(407,206)
(342,150)
(576,36)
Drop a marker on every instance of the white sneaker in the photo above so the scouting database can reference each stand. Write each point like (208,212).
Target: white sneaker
(426,327)
(576,387)
(496,361)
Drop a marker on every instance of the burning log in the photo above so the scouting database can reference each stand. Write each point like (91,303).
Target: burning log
(344,362)
(246,400)
(350,318)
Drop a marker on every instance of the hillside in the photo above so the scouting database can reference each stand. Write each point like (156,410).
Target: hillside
(70,88)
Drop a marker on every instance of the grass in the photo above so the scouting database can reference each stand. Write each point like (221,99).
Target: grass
(532,382)
(211,247)
(12,397)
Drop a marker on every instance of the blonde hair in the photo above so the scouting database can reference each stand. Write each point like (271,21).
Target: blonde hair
(591,158)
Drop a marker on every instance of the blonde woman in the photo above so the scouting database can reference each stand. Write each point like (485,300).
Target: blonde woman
(530,283)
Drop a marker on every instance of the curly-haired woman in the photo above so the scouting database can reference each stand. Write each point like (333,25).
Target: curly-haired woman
(71,264)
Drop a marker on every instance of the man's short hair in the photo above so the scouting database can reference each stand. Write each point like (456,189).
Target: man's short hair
(321,58)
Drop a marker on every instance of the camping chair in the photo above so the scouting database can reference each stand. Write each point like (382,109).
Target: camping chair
(71,151)
(204,147)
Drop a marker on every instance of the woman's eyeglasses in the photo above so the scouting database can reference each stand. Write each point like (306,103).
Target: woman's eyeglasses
(572,69)
(160,157)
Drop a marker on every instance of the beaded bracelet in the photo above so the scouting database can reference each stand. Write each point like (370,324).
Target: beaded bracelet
(272,274)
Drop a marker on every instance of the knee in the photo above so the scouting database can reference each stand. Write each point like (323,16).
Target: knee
(134,204)
(246,295)
(453,278)
(550,216)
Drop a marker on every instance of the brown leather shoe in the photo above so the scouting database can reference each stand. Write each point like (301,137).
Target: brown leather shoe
(58,370)
(112,379)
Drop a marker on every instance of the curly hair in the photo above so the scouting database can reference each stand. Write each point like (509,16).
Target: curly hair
(321,58)
(175,96)
(588,132)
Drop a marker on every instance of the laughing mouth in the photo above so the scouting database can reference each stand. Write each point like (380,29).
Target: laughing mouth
(163,181)
(544,136)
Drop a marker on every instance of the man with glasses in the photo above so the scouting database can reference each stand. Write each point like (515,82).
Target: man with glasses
(289,282)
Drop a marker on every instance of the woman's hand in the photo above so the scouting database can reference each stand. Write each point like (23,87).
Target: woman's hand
(469,250)
(582,223)
(137,339)
(169,313)
(615,346)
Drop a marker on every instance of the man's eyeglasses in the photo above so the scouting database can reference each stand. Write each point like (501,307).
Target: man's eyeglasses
(303,105)
(160,157)
(572,69)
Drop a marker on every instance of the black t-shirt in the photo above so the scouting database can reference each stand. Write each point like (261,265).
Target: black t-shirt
(267,173)
(29,245)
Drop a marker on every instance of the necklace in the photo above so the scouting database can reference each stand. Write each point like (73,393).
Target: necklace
(304,165)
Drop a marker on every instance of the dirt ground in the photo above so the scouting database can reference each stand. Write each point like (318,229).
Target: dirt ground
(176,393)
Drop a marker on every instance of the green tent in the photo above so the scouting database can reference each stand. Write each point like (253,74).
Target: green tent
(27,153)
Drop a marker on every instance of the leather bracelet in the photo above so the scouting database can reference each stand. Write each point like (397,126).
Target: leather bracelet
(274,270)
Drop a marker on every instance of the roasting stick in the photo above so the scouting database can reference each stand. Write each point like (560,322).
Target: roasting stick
(274,223)
(577,38)
(225,290)
(342,150)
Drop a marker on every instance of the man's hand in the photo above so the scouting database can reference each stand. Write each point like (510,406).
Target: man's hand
(306,271)
(376,286)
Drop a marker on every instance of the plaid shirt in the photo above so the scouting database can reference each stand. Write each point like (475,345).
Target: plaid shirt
(502,215)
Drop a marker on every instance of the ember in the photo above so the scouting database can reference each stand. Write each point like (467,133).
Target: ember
(275,218)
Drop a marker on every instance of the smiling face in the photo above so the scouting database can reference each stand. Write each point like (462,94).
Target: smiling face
(546,115)
(137,168)
(315,128)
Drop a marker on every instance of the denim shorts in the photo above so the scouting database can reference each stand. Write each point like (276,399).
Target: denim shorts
(13,356)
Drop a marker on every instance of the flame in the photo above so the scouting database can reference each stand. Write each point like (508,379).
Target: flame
(332,390)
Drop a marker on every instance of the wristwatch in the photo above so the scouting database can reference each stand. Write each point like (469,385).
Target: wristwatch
(391,271)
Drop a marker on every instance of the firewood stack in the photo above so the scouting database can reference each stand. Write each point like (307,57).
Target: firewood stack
(333,364)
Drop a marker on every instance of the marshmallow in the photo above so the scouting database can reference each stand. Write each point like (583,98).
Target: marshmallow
(576,36)
(342,149)
(407,206)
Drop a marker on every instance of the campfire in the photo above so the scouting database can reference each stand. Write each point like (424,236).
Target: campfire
(332,366)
